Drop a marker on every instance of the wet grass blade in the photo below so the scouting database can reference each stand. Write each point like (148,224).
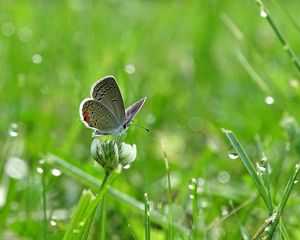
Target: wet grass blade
(288,189)
(250,168)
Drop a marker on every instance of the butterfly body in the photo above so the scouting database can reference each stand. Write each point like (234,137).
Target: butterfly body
(104,111)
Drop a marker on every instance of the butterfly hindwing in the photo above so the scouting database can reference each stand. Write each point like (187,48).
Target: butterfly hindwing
(96,116)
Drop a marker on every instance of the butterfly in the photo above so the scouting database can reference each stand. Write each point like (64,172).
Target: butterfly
(104,111)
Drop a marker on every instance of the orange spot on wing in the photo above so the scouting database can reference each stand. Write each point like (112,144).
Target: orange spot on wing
(86,117)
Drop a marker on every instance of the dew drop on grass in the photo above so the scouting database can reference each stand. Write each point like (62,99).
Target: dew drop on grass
(260,169)
(269,100)
(263,13)
(224,211)
(296,181)
(13,131)
(3,194)
(191,196)
(233,155)
(40,170)
(55,172)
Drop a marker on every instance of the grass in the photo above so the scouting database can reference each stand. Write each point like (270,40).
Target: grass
(204,66)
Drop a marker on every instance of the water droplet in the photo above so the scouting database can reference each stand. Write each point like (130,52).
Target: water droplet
(25,34)
(16,168)
(8,29)
(297,166)
(267,229)
(191,186)
(203,204)
(224,211)
(269,100)
(55,172)
(76,231)
(233,155)
(260,169)
(40,170)
(13,130)
(223,177)
(53,222)
(3,193)
(127,166)
(263,13)
(37,58)
(294,83)
(264,159)
(42,161)
(296,181)
(191,196)
(130,68)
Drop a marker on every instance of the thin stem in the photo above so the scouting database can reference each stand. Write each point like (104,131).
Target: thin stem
(44,204)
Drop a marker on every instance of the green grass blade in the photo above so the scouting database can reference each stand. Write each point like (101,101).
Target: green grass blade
(266,14)
(286,194)
(170,212)
(77,227)
(147,218)
(95,183)
(249,166)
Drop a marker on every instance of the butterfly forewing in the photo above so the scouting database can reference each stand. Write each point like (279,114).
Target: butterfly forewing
(107,92)
(95,115)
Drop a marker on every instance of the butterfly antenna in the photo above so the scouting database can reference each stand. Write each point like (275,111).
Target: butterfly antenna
(141,127)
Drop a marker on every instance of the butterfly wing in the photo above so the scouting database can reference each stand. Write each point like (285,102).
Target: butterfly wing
(106,91)
(95,115)
(133,110)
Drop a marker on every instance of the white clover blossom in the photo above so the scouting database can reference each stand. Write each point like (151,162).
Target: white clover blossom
(109,154)
(127,153)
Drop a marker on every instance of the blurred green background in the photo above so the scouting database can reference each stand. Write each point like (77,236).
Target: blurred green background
(203,65)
